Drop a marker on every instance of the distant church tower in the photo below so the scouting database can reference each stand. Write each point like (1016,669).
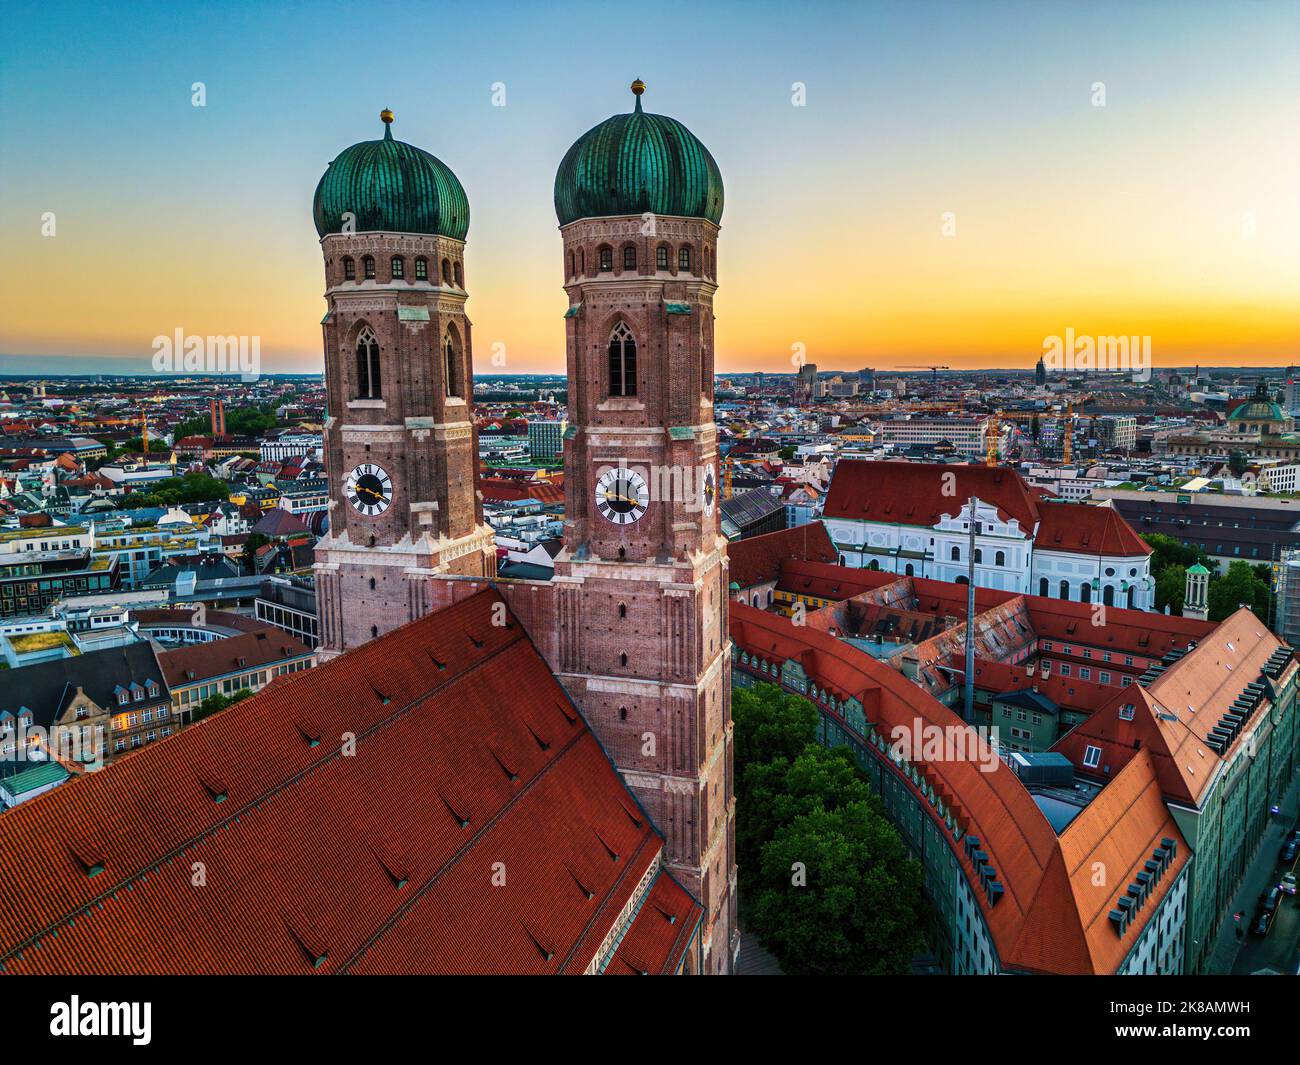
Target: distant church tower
(1196,600)
(400,445)
(640,590)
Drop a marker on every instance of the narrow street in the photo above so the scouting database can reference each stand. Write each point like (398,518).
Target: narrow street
(1238,951)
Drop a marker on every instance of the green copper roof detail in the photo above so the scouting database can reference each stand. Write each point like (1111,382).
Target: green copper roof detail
(636,163)
(391,186)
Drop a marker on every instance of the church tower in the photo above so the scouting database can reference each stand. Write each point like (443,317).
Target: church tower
(639,626)
(400,446)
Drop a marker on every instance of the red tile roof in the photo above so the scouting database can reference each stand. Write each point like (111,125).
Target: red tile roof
(217,658)
(1087,530)
(1045,921)
(476,826)
(913,493)
(759,559)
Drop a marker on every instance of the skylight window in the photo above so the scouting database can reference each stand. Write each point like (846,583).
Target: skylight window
(1091,757)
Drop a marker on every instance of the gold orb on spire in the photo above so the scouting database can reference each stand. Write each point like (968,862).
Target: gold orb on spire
(386,117)
(638,87)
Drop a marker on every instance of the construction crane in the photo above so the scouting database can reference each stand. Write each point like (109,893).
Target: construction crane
(934,371)
(991,432)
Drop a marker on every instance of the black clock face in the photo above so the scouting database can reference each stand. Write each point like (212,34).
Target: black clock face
(622,496)
(369,489)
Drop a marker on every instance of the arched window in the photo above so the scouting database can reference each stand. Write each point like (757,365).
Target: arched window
(399,268)
(446,271)
(706,262)
(368,382)
(622,361)
(622,610)
(459,274)
(573,264)
(1065,589)
(622,659)
(1130,597)
(979,555)
(629,257)
(661,257)
(422,269)
(1085,592)
(962,579)
(1108,595)
(622,713)
(582,260)
(684,258)
(451,365)
(875,564)
(956,553)
(368,267)
(349,269)
(1000,559)
(908,570)
(1043,589)
(606,258)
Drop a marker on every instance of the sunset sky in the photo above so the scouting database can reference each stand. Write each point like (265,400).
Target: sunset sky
(1173,211)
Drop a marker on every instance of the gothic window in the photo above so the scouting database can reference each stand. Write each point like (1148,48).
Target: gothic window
(582,260)
(606,259)
(422,269)
(706,263)
(459,274)
(368,382)
(684,258)
(399,268)
(573,265)
(622,610)
(455,386)
(622,659)
(629,257)
(446,271)
(622,361)
(368,263)
(349,269)
(661,257)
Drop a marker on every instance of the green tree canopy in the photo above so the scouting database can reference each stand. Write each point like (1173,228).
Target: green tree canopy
(840,895)
(190,488)
(1171,589)
(1241,585)
(771,724)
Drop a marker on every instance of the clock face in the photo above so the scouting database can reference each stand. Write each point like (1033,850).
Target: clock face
(369,489)
(710,490)
(622,495)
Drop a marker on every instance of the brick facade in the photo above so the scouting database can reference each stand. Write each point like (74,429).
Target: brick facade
(418,429)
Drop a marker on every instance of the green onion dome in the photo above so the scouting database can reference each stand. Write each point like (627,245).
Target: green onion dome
(635,163)
(393,187)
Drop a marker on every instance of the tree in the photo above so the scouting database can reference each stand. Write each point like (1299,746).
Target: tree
(1171,588)
(787,453)
(775,793)
(190,488)
(1034,428)
(1240,585)
(840,895)
(770,724)
(214,704)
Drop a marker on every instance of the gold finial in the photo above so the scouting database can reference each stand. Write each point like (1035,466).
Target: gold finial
(638,87)
(386,117)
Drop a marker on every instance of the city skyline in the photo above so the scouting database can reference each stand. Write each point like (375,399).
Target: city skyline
(1164,213)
